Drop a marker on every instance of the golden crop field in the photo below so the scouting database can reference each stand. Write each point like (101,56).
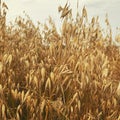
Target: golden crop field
(73,74)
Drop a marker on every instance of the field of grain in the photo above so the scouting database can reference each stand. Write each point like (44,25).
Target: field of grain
(73,74)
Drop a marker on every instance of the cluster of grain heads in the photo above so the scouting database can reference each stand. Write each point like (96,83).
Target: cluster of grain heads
(49,75)
(65,10)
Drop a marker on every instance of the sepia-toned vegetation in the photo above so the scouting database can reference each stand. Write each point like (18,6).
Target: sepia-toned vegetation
(73,74)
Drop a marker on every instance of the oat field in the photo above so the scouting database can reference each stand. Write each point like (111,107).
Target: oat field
(73,74)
